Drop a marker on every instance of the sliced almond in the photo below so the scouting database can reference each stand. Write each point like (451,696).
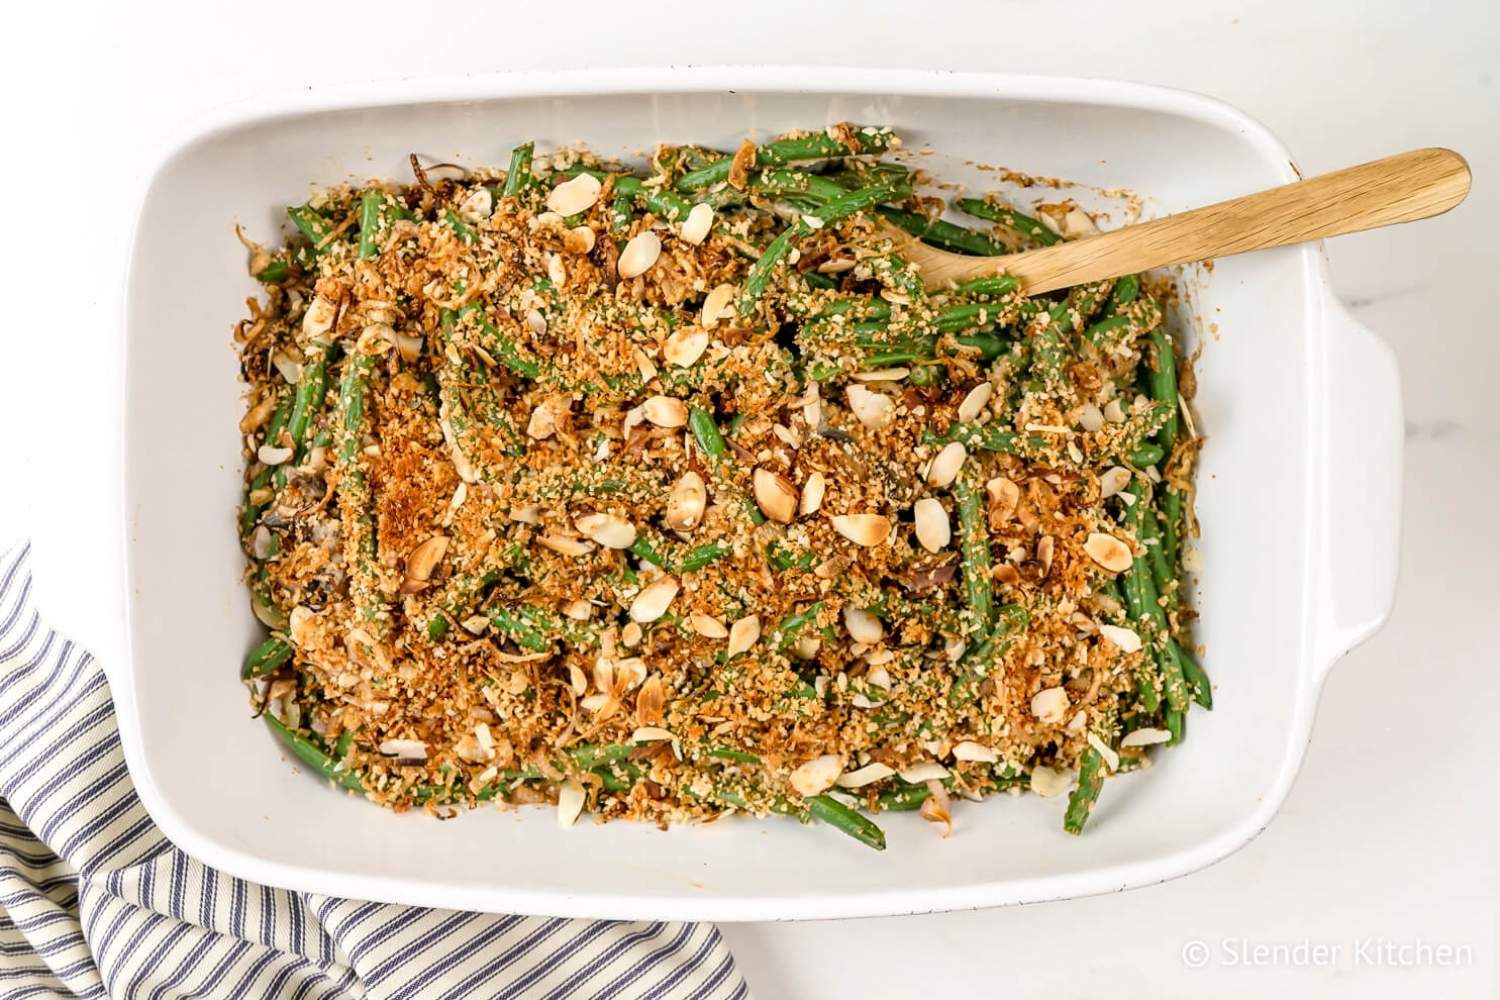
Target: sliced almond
(557,271)
(1108,551)
(1003,496)
(817,775)
(289,368)
(273,455)
(477,206)
(1112,481)
(318,319)
(686,502)
(1045,547)
(639,255)
(609,530)
(650,701)
(300,624)
(1047,782)
(975,401)
(631,635)
(578,610)
(575,195)
(1114,412)
(1126,639)
(863,626)
(1090,417)
(684,347)
(874,410)
(743,634)
(708,626)
(699,221)
(867,775)
(927,771)
(935,808)
(566,546)
(934,530)
(812,493)
(774,495)
(862,529)
(543,422)
(653,600)
(664,411)
(969,750)
(570,794)
(717,305)
(423,559)
(1050,705)
(1145,737)
(579,240)
(651,734)
(945,467)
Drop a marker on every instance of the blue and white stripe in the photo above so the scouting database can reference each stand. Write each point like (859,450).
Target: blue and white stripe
(94,901)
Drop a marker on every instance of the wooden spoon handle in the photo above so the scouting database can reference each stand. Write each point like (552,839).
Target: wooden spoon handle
(1400,188)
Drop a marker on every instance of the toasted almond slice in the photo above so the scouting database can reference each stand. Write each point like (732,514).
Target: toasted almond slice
(1050,705)
(653,600)
(882,375)
(651,734)
(945,467)
(927,771)
(716,305)
(708,626)
(684,347)
(1106,751)
(686,502)
(874,410)
(862,529)
(1047,782)
(596,703)
(631,635)
(817,775)
(579,240)
(423,559)
(566,546)
(1045,547)
(935,808)
(272,455)
(1114,412)
(774,495)
(969,750)
(650,702)
(557,271)
(1112,481)
(404,749)
(575,195)
(863,626)
(1126,639)
(300,624)
(699,221)
(867,775)
(570,794)
(743,634)
(975,401)
(578,610)
(812,493)
(1108,551)
(664,411)
(1090,417)
(933,528)
(1003,495)
(289,368)
(542,423)
(318,319)
(477,206)
(639,255)
(1145,737)
(609,530)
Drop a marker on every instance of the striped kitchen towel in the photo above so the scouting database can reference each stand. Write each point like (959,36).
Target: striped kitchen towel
(94,901)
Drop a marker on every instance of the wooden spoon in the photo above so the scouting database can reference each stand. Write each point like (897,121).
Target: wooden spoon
(1401,188)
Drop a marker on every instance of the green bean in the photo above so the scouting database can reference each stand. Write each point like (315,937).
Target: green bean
(310,754)
(983,437)
(701,556)
(1139,579)
(463,230)
(839,816)
(266,658)
(1090,781)
(654,199)
(536,629)
(706,430)
(369,222)
(518,177)
(311,225)
(1145,455)
(1163,382)
(729,753)
(1125,291)
(1011,219)
(1161,575)
(783,182)
(941,233)
(1050,341)
(792,625)
(356,504)
(816,146)
(974,533)
(1193,673)
(510,354)
(276,270)
(904,798)
(777,250)
(1171,516)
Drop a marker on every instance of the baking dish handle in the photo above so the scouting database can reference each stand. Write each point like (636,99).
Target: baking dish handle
(1361,477)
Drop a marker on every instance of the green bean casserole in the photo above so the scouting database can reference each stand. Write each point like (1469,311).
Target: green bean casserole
(674,493)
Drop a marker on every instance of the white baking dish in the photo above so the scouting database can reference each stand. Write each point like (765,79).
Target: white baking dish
(1299,501)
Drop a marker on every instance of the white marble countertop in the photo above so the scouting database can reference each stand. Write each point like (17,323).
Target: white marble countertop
(1388,843)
